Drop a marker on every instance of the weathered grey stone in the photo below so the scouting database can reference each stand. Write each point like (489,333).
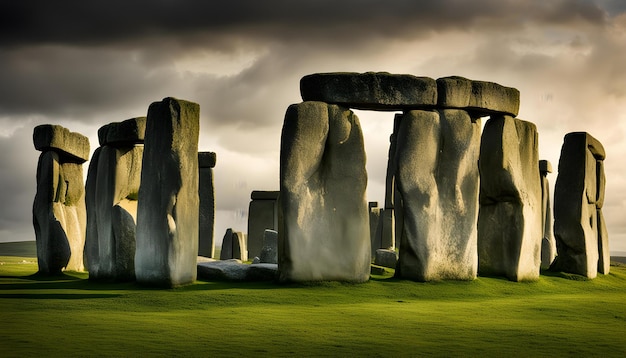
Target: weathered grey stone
(269,252)
(491,98)
(74,146)
(59,215)
(168,209)
(207,159)
(437,178)
(548,243)
(234,270)
(226,252)
(112,188)
(453,92)
(510,223)
(206,192)
(128,132)
(371,90)
(581,236)
(325,233)
(262,215)
(386,258)
(256,260)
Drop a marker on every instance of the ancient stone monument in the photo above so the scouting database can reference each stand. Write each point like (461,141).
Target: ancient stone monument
(168,208)
(374,218)
(510,219)
(548,244)
(581,235)
(59,215)
(206,191)
(234,246)
(262,215)
(325,231)
(269,252)
(112,190)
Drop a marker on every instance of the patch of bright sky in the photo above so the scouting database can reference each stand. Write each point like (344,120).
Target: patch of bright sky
(217,63)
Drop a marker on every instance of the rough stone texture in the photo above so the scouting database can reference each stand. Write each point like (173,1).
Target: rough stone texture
(548,243)
(453,92)
(371,90)
(234,270)
(269,252)
(437,178)
(168,210)
(59,214)
(386,258)
(128,132)
(491,98)
(510,223)
(262,215)
(581,237)
(112,188)
(325,232)
(71,145)
(206,192)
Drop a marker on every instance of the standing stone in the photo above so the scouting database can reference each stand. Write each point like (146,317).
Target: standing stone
(437,178)
(262,215)
(325,233)
(226,252)
(581,237)
(59,214)
(112,189)
(240,247)
(168,208)
(269,252)
(510,223)
(548,244)
(206,191)
(374,218)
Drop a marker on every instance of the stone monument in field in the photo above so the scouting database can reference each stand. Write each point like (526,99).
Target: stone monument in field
(168,207)
(59,214)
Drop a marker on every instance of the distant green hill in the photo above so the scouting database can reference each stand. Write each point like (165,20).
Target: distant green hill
(20,248)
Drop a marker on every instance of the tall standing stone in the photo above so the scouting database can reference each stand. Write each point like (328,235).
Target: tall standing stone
(168,208)
(325,233)
(262,215)
(59,214)
(206,191)
(510,223)
(437,178)
(548,244)
(113,181)
(581,236)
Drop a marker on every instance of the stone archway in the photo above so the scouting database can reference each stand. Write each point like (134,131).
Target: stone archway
(324,229)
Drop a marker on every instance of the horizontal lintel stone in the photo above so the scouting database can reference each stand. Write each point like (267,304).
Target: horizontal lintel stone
(264,195)
(60,139)
(130,131)
(207,159)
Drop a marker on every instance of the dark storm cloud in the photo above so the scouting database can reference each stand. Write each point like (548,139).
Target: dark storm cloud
(103,22)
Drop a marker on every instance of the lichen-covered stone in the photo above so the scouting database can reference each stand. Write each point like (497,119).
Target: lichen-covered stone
(325,232)
(370,90)
(437,178)
(74,146)
(453,92)
(510,223)
(168,208)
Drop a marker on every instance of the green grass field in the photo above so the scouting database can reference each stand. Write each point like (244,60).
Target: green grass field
(560,315)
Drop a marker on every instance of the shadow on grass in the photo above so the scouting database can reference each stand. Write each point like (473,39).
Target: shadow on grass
(58,296)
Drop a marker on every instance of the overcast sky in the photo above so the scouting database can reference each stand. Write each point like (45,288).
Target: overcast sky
(83,64)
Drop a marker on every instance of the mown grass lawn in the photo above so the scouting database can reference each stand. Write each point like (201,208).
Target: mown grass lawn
(70,316)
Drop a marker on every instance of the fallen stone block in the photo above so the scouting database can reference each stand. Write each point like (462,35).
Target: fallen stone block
(386,258)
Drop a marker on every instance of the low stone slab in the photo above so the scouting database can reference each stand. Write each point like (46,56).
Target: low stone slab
(234,270)
(60,139)
(386,258)
(130,131)
(372,90)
